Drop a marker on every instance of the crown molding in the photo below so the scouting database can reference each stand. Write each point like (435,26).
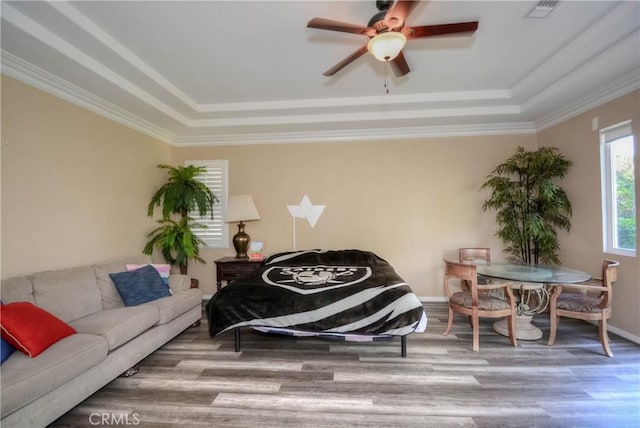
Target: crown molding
(425,98)
(92,29)
(518,103)
(32,75)
(82,21)
(602,35)
(565,80)
(427,110)
(365,134)
(358,116)
(55,42)
(622,86)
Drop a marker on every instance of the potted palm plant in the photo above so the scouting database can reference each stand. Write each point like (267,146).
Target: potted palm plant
(530,206)
(181,195)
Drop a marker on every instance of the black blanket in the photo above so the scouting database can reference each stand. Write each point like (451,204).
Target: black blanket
(342,292)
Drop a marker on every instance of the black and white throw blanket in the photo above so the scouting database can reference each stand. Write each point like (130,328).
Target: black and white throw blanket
(335,292)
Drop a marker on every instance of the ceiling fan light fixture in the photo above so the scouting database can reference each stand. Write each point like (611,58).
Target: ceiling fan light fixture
(386,46)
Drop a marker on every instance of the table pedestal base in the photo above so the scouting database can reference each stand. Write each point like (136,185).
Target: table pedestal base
(524,329)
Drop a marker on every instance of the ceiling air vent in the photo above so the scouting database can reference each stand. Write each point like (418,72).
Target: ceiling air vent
(543,9)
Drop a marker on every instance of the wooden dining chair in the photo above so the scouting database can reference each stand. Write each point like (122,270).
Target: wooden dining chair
(474,255)
(593,305)
(477,254)
(476,304)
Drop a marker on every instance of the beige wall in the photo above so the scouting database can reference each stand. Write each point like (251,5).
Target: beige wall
(411,202)
(75,185)
(583,246)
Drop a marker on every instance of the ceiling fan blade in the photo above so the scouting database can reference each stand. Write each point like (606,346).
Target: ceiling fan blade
(328,24)
(397,15)
(348,60)
(440,30)
(399,65)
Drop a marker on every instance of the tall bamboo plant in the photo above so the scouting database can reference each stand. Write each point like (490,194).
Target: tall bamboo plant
(179,196)
(530,206)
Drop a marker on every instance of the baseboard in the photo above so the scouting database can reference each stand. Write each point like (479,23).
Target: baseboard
(615,330)
(433,299)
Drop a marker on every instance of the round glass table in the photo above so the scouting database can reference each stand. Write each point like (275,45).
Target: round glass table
(532,273)
(532,281)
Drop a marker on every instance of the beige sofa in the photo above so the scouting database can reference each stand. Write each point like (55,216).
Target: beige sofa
(111,337)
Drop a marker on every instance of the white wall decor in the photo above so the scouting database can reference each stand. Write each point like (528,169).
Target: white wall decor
(307,210)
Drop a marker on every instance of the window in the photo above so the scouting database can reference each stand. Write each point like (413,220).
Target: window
(618,189)
(216,234)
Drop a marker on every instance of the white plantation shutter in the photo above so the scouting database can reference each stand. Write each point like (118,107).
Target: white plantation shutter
(215,178)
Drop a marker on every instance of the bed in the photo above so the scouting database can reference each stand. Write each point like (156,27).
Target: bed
(350,294)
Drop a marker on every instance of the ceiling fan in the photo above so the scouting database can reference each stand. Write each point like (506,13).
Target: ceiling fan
(388,34)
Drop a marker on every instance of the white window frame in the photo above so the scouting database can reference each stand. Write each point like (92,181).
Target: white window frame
(609,206)
(217,233)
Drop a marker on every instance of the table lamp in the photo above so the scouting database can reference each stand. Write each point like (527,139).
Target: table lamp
(241,208)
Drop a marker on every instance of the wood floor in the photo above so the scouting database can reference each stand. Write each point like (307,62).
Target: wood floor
(283,382)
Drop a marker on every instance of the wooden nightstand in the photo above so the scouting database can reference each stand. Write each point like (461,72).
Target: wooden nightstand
(230,268)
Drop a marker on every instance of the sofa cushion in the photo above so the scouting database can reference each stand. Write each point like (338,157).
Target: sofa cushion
(31,329)
(140,286)
(18,289)
(69,294)
(119,325)
(179,283)
(110,297)
(177,304)
(25,379)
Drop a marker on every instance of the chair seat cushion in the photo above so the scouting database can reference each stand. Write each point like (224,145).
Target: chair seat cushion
(578,303)
(485,301)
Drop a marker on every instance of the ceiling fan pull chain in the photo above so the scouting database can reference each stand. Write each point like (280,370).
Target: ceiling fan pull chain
(386,76)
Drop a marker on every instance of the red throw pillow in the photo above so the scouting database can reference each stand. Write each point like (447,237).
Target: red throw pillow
(31,329)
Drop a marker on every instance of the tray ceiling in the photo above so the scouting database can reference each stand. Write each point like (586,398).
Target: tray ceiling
(243,72)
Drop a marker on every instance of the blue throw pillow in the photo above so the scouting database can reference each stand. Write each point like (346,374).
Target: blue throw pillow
(140,286)
(5,348)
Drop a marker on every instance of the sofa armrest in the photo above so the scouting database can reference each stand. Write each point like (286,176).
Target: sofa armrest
(179,282)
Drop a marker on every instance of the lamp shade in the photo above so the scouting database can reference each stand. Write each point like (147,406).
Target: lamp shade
(386,46)
(242,208)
